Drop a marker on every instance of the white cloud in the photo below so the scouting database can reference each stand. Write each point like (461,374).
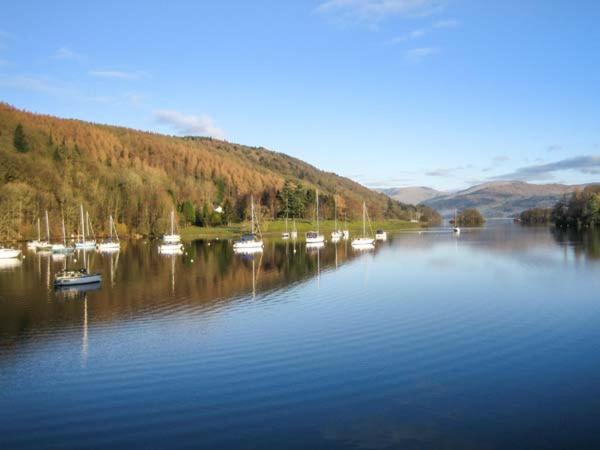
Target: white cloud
(376,10)
(116,74)
(188,124)
(66,53)
(448,23)
(417,54)
(585,164)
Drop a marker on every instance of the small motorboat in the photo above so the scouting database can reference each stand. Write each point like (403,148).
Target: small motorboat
(76,277)
(285,235)
(9,253)
(380,235)
(337,235)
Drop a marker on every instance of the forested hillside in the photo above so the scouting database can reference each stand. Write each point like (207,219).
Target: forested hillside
(58,164)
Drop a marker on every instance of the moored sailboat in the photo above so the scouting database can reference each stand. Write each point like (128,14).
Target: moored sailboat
(252,242)
(62,248)
(112,244)
(336,234)
(84,243)
(171,243)
(315,238)
(364,242)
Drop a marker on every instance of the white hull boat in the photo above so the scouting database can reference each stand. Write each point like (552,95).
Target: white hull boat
(285,236)
(170,249)
(380,235)
(108,247)
(111,245)
(249,243)
(314,238)
(87,245)
(61,249)
(365,242)
(76,278)
(9,253)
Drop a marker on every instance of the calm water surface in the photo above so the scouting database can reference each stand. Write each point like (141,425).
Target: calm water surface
(486,340)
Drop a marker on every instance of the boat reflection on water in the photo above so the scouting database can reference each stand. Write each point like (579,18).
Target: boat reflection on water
(10,264)
(78,291)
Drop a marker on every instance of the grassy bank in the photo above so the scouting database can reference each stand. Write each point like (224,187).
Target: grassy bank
(275,227)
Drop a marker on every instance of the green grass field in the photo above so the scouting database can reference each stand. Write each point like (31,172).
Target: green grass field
(276,227)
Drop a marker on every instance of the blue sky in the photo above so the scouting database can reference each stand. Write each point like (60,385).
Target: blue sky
(441,93)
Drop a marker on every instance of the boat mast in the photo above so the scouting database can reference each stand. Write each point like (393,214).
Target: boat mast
(63,229)
(172,222)
(47,228)
(82,223)
(335,213)
(364,219)
(252,214)
(110,227)
(317,211)
(39,233)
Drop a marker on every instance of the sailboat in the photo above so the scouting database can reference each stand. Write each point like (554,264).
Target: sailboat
(171,243)
(252,242)
(345,231)
(364,242)
(61,248)
(110,245)
(83,243)
(33,245)
(336,234)
(314,238)
(286,234)
(45,246)
(79,277)
(294,233)
(456,229)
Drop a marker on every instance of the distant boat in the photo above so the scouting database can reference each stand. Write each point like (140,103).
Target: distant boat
(112,244)
(294,233)
(171,243)
(83,243)
(345,231)
(45,246)
(364,242)
(380,235)
(285,235)
(76,277)
(314,237)
(62,248)
(9,253)
(33,245)
(456,229)
(336,234)
(250,243)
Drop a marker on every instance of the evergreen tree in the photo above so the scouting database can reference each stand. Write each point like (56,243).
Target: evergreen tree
(20,140)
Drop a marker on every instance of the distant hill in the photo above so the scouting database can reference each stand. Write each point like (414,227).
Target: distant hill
(412,195)
(502,198)
(138,177)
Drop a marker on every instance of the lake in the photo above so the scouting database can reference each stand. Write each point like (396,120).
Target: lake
(487,340)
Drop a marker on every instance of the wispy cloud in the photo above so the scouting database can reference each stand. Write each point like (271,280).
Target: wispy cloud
(188,124)
(553,147)
(418,54)
(586,164)
(447,23)
(116,74)
(501,158)
(373,11)
(421,32)
(66,53)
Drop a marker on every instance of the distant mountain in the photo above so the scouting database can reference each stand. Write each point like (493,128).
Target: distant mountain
(412,195)
(501,198)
